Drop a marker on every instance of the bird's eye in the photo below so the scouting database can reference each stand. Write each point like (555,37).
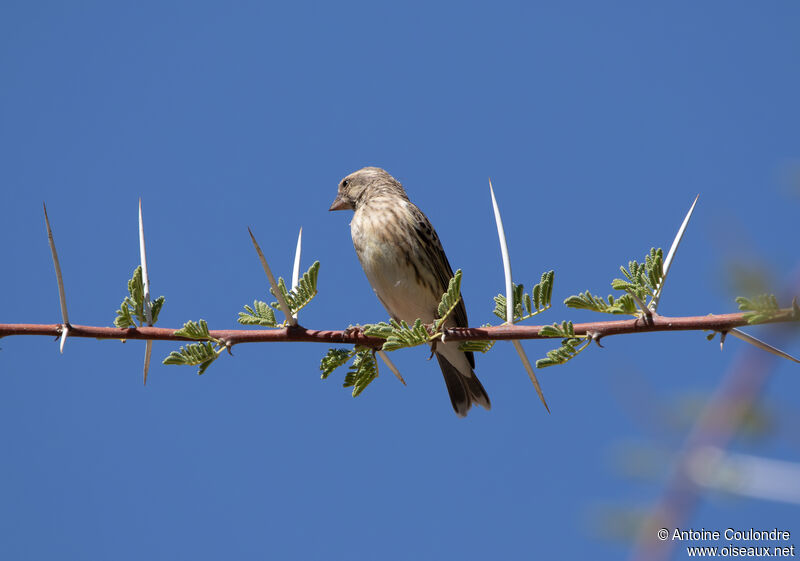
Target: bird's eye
(345,183)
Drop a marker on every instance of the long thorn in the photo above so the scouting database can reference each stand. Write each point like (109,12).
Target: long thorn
(148,312)
(148,351)
(296,267)
(671,255)
(290,320)
(391,366)
(761,344)
(506,259)
(531,374)
(59,278)
(145,274)
(510,296)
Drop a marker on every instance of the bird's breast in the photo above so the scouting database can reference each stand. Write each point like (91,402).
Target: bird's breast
(393,267)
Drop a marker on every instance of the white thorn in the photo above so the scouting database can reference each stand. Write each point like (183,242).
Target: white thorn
(506,259)
(510,296)
(64,331)
(391,366)
(59,279)
(145,274)
(761,344)
(296,267)
(671,255)
(290,320)
(148,310)
(531,374)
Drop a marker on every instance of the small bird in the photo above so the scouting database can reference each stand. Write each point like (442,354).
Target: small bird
(408,269)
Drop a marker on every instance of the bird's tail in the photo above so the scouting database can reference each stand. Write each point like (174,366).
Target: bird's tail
(464,389)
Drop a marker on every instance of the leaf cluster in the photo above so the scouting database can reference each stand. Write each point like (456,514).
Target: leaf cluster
(362,371)
(297,298)
(643,279)
(569,348)
(527,305)
(204,353)
(763,307)
(449,301)
(302,294)
(196,354)
(260,314)
(642,282)
(625,304)
(398,335)
(132,308)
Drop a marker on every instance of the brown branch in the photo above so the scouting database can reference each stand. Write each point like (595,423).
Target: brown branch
(711,322)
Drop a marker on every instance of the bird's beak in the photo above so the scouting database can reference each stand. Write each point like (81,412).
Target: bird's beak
(340,204)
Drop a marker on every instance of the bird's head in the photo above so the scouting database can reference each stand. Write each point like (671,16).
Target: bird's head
(360,185)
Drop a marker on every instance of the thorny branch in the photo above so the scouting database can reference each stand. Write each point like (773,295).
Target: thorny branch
(721,323)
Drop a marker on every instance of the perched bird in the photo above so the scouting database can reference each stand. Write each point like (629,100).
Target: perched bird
(408,269)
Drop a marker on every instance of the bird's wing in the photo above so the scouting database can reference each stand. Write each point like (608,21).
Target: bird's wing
(440,266)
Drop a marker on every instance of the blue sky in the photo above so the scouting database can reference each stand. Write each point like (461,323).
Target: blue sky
(597,123)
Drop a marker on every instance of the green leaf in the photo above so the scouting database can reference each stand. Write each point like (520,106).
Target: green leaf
(398,335)
(568,349)
(477,346)
(586,301)
(195,354)
(136,291)
(302,294)
(760,308)
(625,304)
(124,318)
(333,360)
(643,279)
(362,371)
(259,314)
(449,300)
(526,306)
(543,291)
(517,294)
(654,266)
(132,307)
(564,330)
(155,308)
(619,284)
(403,336)
(500,306)
(500,303)
(382,330)
(566,352)
(192,330)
